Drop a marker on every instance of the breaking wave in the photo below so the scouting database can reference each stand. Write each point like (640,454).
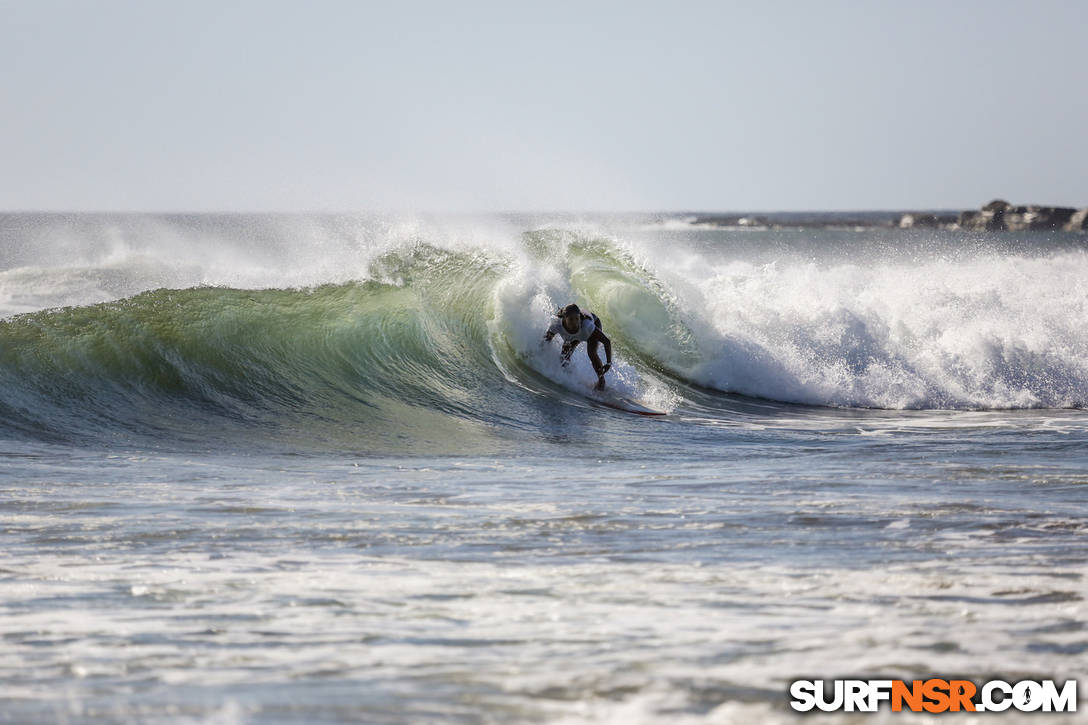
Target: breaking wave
(348,329)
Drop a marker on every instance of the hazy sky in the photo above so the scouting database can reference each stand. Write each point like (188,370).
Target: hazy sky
(469,106)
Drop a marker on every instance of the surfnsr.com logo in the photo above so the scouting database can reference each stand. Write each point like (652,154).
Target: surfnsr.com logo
(933,695)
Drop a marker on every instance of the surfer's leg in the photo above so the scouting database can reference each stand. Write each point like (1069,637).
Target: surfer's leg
(591,350)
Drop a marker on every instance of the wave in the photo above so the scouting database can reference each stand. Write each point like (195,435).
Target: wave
(398,334)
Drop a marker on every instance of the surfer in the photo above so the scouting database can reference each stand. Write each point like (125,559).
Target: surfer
(575,326)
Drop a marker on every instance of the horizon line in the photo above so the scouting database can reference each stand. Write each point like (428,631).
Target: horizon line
(492,212)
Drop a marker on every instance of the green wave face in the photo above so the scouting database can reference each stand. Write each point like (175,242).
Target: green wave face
(436,347)
(335,359)
(412,359)
(645,316)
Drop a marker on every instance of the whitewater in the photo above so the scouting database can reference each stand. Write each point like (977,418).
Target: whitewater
(324,468)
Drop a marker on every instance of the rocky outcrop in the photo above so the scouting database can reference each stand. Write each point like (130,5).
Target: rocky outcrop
(1001,216)
(732,220)
(1038,218)
(1078,222)
(799,220)
(991,218)
(997,216)
(916,220)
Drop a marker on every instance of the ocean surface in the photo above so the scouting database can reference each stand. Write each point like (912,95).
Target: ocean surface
(309,469)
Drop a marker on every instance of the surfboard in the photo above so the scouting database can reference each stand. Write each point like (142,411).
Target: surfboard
(626,405)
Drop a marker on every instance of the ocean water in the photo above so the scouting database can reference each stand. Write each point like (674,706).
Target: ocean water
(299,469)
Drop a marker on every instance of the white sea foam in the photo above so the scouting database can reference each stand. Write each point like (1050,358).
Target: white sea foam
(717,644)
(976,331)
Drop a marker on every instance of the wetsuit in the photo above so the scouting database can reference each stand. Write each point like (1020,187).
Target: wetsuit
(590,324)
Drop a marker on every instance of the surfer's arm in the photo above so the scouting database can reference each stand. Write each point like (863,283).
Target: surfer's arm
(552,331)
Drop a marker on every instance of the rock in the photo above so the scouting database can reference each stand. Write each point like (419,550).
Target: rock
(990,219)
(996,220)
(1078,222)
(1037,218)
(731,221)
(999,215)
(968,219)
(751,221)
(1055,218)
(919,221)
(987,220)
(717,220)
